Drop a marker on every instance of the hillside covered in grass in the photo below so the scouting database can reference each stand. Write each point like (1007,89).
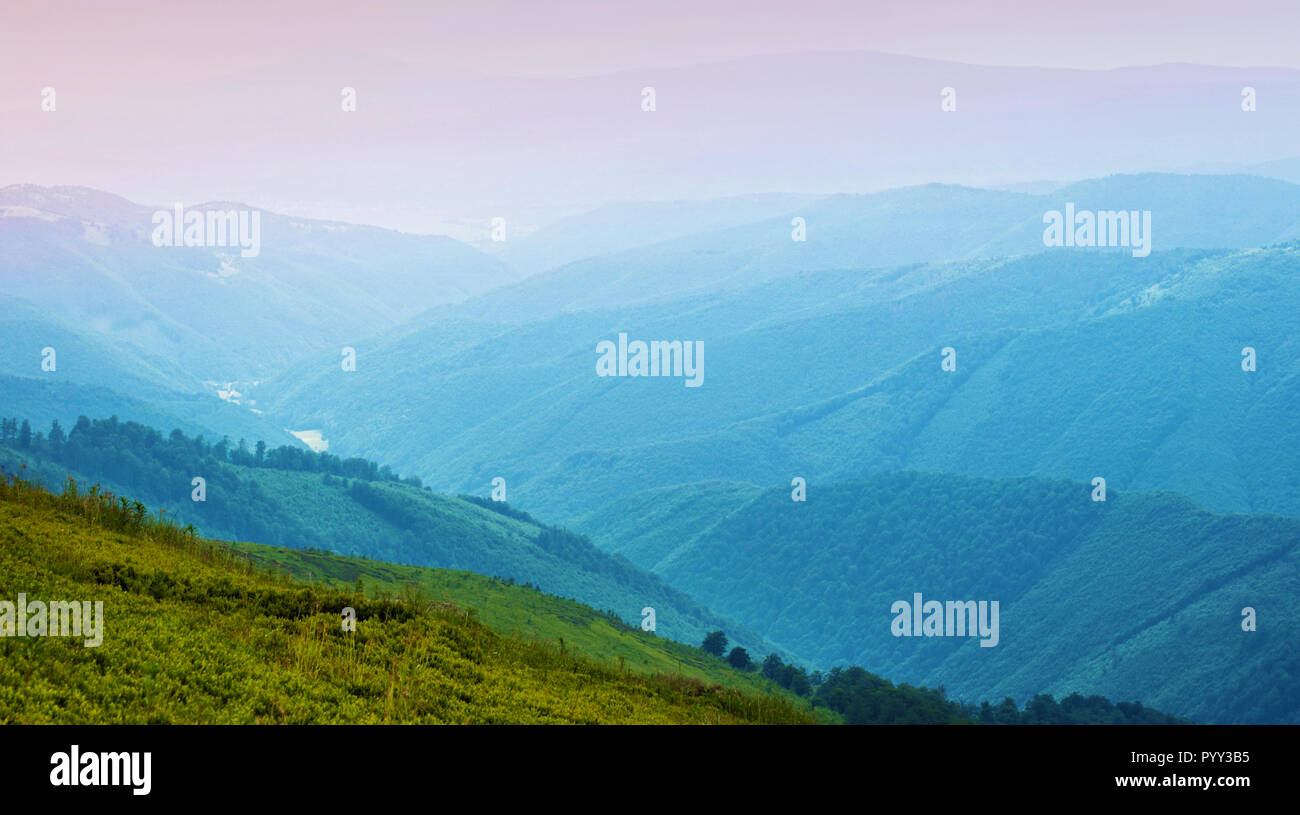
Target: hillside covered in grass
(292,497)
(512,609)
(195,632)
(198,631)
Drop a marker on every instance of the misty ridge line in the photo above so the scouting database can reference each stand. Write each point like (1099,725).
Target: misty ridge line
(1073,227)
(697,89)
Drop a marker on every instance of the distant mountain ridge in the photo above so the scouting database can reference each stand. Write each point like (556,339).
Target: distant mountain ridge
(804,123)
(80,275)
(897,227)
(834,371)
(88,257)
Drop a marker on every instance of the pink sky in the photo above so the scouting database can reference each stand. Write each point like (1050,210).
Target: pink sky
(130,40)
(164,101)
(133,39)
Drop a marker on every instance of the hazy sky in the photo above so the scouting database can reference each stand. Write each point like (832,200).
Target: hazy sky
(133,38)
(167,101)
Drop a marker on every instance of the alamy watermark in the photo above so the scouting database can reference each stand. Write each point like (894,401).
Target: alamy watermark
(655,358)
(57,618)
(955,618)
(1101,228)
(90,769)
(213,227)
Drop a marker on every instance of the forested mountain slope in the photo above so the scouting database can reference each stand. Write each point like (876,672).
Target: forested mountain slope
(1139,596)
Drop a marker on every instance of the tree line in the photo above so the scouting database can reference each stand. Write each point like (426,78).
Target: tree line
(861,697)
(92,442)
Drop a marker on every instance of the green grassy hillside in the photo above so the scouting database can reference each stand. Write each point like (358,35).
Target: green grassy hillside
(287,500)
(202,631)
(514,610)
(195,632)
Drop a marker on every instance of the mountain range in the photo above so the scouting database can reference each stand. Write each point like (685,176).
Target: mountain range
(947,388)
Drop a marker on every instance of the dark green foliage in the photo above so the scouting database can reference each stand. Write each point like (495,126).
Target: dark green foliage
(1073,709)
(864,698)
(790,677)
(739,659)
(715,642)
